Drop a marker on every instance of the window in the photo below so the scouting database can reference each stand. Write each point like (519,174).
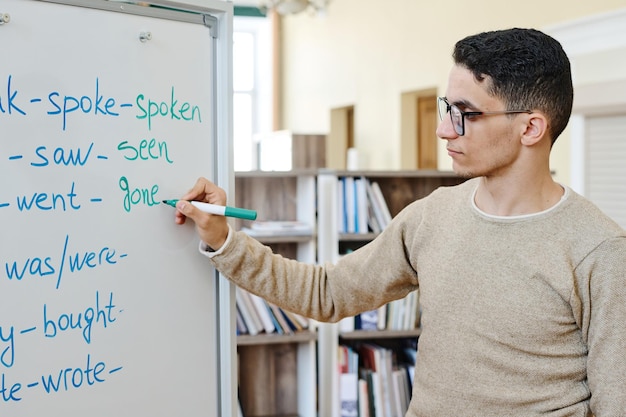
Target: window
(252,85)
(605,154)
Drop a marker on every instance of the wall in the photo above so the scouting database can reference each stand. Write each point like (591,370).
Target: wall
(366,54)
(597,48)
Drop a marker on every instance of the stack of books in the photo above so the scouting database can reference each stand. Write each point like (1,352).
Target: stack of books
(278,228)
(256,315)
(361,206)
(375,381)
(402,314)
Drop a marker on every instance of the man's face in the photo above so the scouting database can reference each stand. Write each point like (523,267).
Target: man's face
(491,144)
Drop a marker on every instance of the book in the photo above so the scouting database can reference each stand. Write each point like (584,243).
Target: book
(410,316)
(348,360)
(376,396)
(361,207)
(350,204)
(370,377)
(402,390)
(277,325)
(372,220)
(278,228)
(303,321)
(379,360)
(379,211)
(247,312)
(368,320)
(261,309)
(397,314)
(296,322)
(364,406)
(240,323)
(391,312)
(342,219)
(381,204)
(278,314)
(348,394)
(401,314)
(387,384)
(382,317)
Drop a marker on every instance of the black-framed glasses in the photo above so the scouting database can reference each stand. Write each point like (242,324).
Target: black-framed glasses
(457,116)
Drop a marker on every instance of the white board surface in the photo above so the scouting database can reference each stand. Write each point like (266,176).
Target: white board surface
(106,308)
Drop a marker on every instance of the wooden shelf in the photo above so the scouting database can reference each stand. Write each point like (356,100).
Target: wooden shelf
(280,415)
(276,174)
(356,237)
(273,339)
(285,239)
(382,334)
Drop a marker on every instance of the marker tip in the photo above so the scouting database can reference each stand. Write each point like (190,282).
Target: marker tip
(170,202)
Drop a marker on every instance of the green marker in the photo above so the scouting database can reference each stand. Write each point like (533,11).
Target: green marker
(219,210)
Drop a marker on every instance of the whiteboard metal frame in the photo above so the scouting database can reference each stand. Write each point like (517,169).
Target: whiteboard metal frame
(217,15)
(201,17)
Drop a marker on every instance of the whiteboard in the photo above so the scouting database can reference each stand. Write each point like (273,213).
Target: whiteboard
(106,308)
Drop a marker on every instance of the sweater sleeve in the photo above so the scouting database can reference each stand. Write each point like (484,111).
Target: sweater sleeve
(363,280)
(604,275)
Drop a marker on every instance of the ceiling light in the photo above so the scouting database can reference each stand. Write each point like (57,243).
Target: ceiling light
(285,7)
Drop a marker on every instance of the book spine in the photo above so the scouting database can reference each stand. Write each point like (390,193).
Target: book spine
(261,308)
(246,312)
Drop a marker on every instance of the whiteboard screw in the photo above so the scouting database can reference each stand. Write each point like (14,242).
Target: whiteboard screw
(4,18)
(145,36)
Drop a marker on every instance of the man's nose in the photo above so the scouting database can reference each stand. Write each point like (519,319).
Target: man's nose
(445,130)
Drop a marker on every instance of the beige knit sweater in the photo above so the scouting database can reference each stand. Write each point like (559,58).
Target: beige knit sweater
(521,316)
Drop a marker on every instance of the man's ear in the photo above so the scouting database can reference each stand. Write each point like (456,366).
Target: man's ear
(536,129)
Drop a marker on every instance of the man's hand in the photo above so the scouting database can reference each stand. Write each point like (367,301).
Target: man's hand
(212,229)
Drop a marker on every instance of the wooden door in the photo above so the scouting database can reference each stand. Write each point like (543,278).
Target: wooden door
(426,128)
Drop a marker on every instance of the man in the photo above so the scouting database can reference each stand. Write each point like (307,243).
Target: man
(522,281)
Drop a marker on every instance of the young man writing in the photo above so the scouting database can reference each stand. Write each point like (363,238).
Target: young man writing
(522,281)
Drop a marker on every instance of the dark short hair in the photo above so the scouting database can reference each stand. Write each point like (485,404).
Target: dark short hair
(527,69)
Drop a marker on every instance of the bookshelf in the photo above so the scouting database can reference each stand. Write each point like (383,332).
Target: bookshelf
(277,373)
(399,188)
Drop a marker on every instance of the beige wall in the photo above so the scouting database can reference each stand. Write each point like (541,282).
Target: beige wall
(366,53)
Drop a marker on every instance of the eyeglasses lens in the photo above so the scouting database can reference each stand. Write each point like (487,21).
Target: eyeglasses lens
(442,107)
(457,120)
(455,115)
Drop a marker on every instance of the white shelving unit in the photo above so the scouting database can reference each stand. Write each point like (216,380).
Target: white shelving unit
(281,370)
(311,196)
(399,189)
